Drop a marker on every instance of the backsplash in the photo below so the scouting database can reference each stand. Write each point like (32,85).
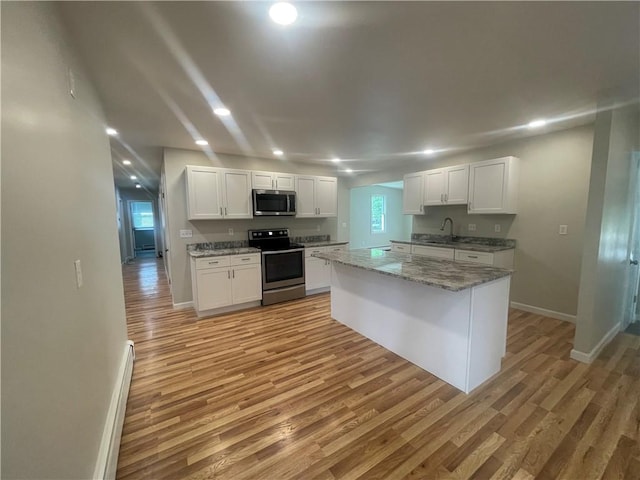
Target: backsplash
(311,239)
(194,247)
(433,237)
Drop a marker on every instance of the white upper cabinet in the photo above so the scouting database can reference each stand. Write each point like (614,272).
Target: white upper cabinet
(204,193)
(446,186)
(316,196)
(412,194)
(493,186)
(272,181)
(216,193)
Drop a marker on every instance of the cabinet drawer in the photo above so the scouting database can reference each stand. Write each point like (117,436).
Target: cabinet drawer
(211,262)
(435,252)
(312,250)
(400,247)
(474,257)
(336,248)
(247,259)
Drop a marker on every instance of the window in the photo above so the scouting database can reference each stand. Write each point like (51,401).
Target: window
(378,213)
(142,214)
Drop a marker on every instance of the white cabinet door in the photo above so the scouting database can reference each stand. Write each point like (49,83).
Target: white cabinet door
(282,181)
(317,273)
(262,180)
(246,283)
(400,248)
(437,252)
(214,288)
(204,193)
(327,196)
(237,187)
(493,186)
(457,187)
(434,186)
(305,196)
(412,194)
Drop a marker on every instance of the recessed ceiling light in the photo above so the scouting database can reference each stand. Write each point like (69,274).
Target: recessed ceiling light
(283,13)
(348,170)
(126,162)
(111,131)
(537,123)
(278,152)
(222,112)
(429,151)
(138,185)
(335,160)
(202,142)
(133,177)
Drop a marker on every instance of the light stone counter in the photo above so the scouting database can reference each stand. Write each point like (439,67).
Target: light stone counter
(445,274)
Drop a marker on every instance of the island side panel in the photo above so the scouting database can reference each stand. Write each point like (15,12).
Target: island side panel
(426,325)
(488,335)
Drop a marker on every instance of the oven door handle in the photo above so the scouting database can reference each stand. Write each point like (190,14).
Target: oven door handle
(275,252)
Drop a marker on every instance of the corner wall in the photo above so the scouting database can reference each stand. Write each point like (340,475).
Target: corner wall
(62,346)
(605,261)
(175,161)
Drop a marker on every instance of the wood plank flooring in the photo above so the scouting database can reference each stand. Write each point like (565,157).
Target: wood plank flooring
(286,392)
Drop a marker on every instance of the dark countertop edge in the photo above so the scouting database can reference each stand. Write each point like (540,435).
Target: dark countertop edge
(222,252)
(327,243)
(462,246)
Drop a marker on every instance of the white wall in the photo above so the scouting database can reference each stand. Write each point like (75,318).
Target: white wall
(176,160)
(605,262)
(554,181)
(61,345)
(398,226)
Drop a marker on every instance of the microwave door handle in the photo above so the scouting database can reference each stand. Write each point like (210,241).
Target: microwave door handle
(288,203)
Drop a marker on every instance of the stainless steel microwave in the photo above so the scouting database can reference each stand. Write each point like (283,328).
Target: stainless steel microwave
(273,203)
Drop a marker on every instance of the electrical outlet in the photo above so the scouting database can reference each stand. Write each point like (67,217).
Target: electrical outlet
(497,228)
(186,233)
(472,227)
(344,224)
(231,232)
(78,268)
(318,228)
(562,230)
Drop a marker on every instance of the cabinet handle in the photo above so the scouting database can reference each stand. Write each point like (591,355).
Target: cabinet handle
(213,263)
(442,198)
(225,211)
(233,274)
(220,211)
(245,259)
(273,183)
(472,256)
(446,197)
(421,208)
(228,274)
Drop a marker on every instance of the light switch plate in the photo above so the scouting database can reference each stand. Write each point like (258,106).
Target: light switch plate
(186,233)
(472,227)
(231,231)
(78,268)
(562,230)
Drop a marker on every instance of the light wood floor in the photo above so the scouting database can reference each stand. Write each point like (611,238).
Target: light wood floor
(286,392)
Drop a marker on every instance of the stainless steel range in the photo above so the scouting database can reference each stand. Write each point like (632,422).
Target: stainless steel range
(282,265)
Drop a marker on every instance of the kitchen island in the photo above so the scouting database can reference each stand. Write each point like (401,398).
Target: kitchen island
(447,317)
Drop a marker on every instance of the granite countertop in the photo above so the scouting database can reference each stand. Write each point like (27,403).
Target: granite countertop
(460,245)
(446,274)
(221,252)
(325,243)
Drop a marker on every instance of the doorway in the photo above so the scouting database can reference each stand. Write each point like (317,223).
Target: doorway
(632,314)
(143,242)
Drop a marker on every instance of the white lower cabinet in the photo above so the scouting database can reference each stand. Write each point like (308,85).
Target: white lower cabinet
(318,271)
(225,283)
(437,252)
(401,247)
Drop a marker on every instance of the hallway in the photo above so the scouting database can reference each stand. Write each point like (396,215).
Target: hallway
(286,392)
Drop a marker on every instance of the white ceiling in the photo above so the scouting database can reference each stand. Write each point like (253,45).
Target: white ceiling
(373,83)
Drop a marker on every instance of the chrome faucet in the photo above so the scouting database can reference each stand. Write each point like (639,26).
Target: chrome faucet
(444,223)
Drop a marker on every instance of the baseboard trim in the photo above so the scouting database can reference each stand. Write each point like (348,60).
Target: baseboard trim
(595,351)
(182,305)
(543,311)
(107,461)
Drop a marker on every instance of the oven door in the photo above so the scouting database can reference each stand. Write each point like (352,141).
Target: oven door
(282,268)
